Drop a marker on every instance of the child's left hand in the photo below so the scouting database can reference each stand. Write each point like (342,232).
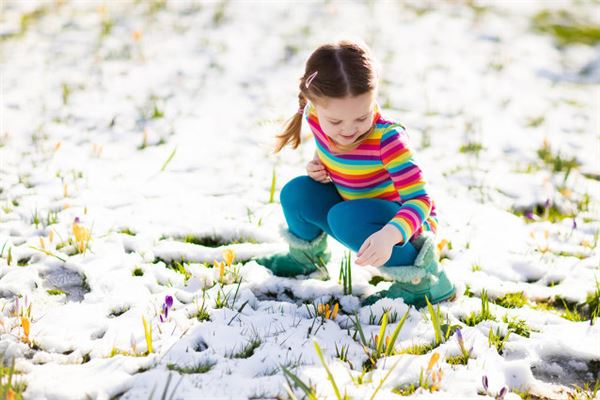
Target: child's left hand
(377,249)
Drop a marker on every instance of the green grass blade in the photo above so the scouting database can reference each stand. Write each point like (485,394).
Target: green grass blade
(169,159)
(305,388)
(381,334)
(329,374)
(388,350)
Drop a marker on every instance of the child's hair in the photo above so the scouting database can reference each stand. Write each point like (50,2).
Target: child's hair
(344,68)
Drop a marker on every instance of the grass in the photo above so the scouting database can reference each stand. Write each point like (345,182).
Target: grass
(512,300)
(345,277)
(497,340)
(587,392)
(485,314)
(417,349)
(213,241)
(168,160)
(55,292)
(177,266)
(201,368)
(248,350)
(127,231)
(518,326)
(566,28)
(577,312)
(138,272)
(405,390)
(201,314)
(272,188)
(471,148)
(10,389)
(554,160)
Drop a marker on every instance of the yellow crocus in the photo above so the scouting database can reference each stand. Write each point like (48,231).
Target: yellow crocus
(433,360)
(25,325)
(335,310)
(441,245)
(228,256)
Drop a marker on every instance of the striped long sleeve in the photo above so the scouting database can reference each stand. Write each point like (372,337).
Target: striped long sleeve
(398,160)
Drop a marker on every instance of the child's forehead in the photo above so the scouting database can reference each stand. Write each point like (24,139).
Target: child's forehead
(347,107)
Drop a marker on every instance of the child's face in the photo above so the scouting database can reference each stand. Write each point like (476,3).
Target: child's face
(345,119)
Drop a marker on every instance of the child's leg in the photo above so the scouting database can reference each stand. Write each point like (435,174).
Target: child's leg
(305,204)
(353,221)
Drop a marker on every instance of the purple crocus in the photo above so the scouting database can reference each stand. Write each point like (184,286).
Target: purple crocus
(165,308)
(574,224)
(484,381)
(76,220)
(501,393)
(529,215)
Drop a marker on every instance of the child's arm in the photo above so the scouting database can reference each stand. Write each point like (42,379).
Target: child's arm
(398,160)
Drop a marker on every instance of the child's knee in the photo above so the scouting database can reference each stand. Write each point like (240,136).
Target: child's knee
(338,217)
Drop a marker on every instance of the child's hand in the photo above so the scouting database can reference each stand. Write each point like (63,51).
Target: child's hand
(317,171)
(377,249)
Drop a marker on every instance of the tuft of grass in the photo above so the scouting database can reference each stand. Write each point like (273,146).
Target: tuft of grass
(214,241)
(10,389)
(518,326)
(201,368)
(201,314)
(55,292)
(177,266)
(497,340)
(554,160)
(417,349)
(345,277)
(248,350)
(138,272)
(405,390)
(471,147)
(587,392)
(566,28)
(512,300)
(127,231)
(473,319)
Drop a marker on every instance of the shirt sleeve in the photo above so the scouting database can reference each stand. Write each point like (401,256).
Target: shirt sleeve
(397,158)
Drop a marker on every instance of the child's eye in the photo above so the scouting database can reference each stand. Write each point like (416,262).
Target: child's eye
(337,123)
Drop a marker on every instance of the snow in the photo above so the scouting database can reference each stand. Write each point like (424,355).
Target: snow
(78,140)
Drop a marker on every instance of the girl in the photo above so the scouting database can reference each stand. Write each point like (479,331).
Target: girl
(363,185)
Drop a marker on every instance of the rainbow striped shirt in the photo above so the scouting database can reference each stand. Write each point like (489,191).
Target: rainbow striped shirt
(382,167)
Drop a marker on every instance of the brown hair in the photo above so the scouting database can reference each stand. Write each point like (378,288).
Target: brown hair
(344,68)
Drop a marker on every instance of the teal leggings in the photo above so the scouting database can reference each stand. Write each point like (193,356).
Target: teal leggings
(311,207)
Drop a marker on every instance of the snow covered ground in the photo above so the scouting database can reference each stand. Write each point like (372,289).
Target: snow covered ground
(148,126)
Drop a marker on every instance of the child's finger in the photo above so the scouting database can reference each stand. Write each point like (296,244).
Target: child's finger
(363,247)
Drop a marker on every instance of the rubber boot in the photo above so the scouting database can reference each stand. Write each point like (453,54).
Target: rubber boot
(302,258)
(425,278)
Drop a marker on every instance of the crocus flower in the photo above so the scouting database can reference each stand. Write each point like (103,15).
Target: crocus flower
(501,393)
(574,224)
(484,381)
(459,334)
(228,256)
(529,215)
(169,301)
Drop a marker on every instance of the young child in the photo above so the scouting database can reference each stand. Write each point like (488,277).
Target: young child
(363,185)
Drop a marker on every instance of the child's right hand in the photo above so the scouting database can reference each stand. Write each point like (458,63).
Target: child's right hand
(317,171)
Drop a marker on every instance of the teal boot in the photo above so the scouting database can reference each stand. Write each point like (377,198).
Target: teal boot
(413,282)
(303,258)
